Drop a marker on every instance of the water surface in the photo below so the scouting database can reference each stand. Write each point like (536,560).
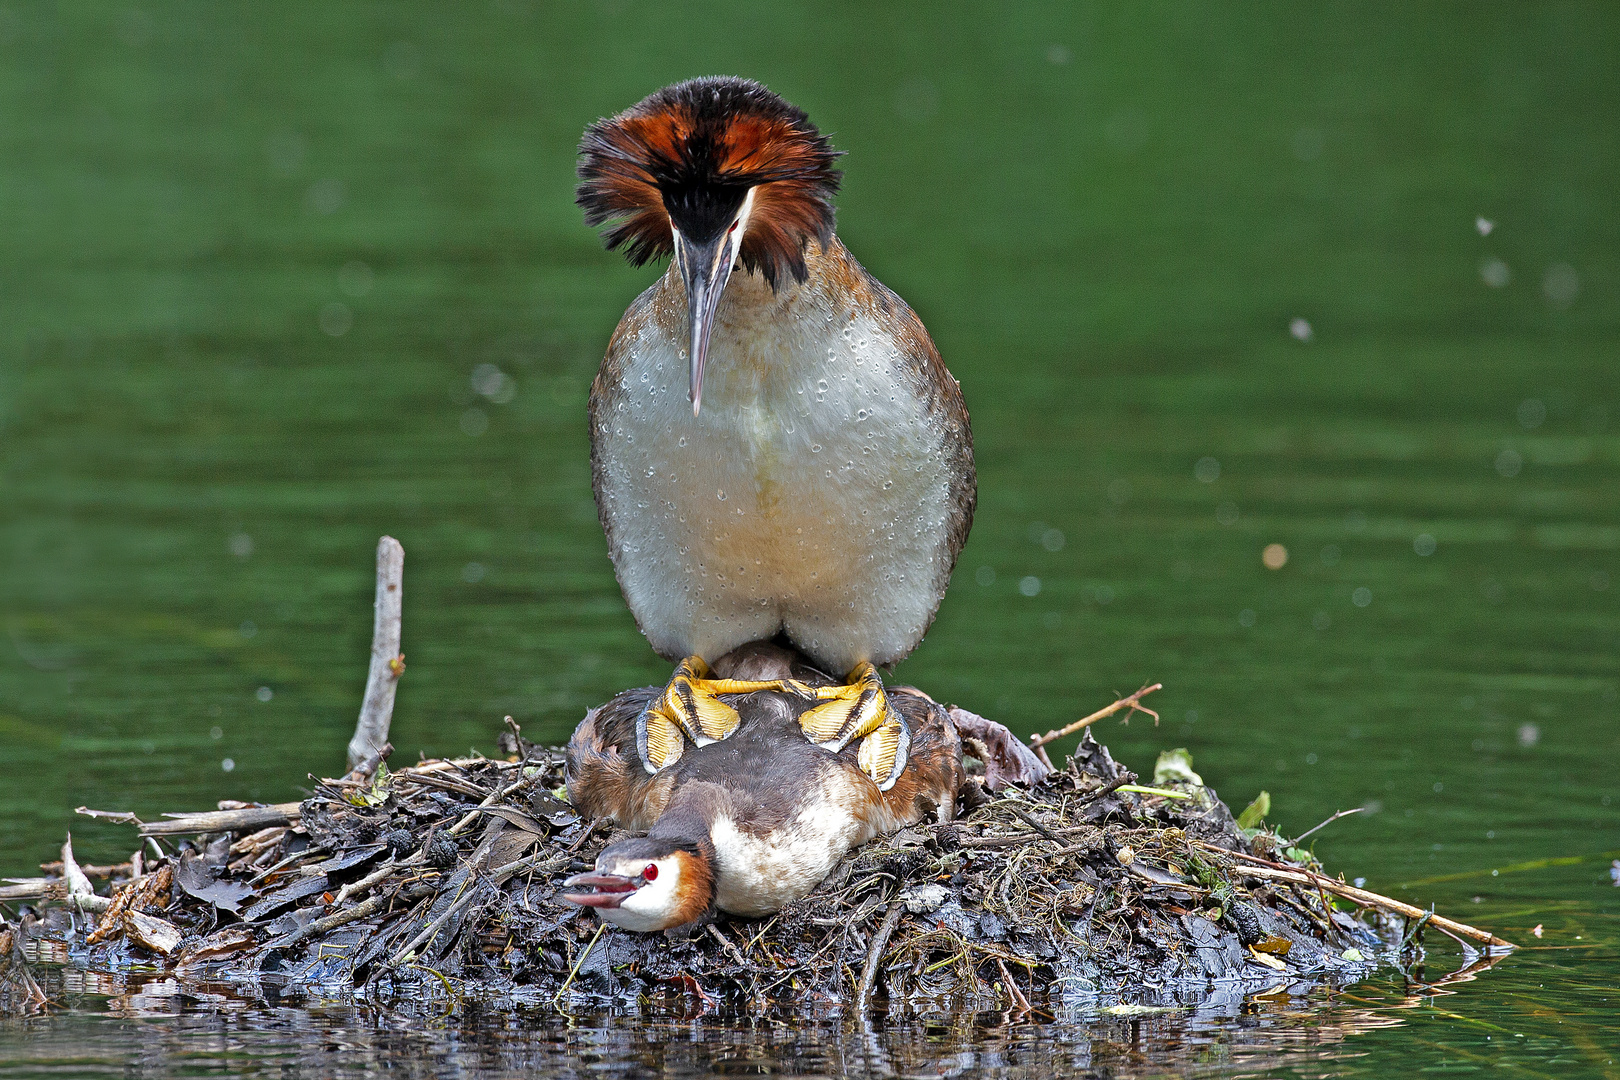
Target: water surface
(1342,279)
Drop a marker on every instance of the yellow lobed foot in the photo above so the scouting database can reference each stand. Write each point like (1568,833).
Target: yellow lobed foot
(882,755)
(689,708)
(860,710)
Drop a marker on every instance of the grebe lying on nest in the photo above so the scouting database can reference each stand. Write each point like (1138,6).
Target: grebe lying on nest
(750,823)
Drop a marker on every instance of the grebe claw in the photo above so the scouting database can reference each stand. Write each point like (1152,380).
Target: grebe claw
(859,710)
(689,708)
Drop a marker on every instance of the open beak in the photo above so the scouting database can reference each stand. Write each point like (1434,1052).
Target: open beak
(705,267)
(607,890)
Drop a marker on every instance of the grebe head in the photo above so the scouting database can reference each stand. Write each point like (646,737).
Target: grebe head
(645,884)
(715,171)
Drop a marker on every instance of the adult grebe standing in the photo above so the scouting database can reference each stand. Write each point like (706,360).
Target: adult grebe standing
(815,480)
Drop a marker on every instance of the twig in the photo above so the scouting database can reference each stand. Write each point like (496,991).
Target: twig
(1361,896)
(1012,988)
(212,821)
(32,889)
(1125,777)
(563,989)
(387,662)
(433,927)
(875,953)
(1107,710)
(1037,826)
(120,816)
(540,860)
(450,783)
(286,862)
(714,932)
(1014,839)
(579,841)
(493,797)
(362,910)
(367,769)
(355,888)
(1329,821)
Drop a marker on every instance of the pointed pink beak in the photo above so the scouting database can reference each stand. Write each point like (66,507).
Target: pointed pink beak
(608,890)
(705,268)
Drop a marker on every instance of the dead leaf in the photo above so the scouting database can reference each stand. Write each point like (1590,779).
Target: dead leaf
(152,933)
(1268,961)
(224,942)
(197,878)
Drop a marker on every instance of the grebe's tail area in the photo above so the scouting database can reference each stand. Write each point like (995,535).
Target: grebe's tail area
(689,708)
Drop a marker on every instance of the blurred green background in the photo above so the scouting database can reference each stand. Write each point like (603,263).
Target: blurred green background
(1341,277)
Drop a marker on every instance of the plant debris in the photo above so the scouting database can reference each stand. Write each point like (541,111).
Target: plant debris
(1084,889)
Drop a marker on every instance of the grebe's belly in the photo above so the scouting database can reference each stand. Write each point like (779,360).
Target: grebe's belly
(811,495)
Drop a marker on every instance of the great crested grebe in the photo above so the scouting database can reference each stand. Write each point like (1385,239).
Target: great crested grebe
(815,481)
(748,824)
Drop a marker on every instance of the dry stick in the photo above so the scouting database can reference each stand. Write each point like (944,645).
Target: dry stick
(33,889)
(355,888)
(367,769)
(335,920)
(1018,997)
(544,860)
(714,931)
(1038,741)
(436,925)
(212,821)
(1329,821)
(1363,897)
(1109,788)
(493,797)
(540,860)
(284,863)
(563,989)
(1037,826)
(875,953)
(89,869)
(387,662)
(119,816)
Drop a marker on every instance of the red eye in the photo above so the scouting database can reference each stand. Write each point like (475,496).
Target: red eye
(650,872)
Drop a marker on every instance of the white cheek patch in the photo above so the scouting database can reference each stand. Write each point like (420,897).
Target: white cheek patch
(741,230)
(649,907)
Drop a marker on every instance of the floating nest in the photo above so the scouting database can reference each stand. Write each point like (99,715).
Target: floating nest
(1082,890)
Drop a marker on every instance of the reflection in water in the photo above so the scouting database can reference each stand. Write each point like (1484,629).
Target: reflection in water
(153,1028)
(1212,279)
(133,1025)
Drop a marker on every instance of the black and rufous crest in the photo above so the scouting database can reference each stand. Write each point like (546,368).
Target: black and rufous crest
(690,153)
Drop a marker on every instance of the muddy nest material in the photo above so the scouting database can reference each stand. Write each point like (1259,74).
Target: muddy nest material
(441,878)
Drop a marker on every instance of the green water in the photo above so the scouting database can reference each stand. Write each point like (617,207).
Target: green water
(253,258)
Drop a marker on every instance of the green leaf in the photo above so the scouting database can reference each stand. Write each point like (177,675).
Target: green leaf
(1163,792)
(1175,767)
(1255,812)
